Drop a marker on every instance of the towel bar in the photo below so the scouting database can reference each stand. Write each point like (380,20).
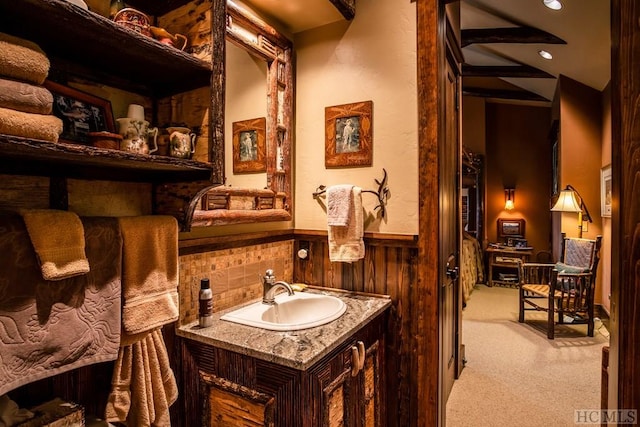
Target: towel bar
(382,193)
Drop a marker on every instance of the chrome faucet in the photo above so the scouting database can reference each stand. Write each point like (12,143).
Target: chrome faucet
(270,286)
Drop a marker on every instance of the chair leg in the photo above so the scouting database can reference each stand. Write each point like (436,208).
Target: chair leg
(550,320)
(521,312)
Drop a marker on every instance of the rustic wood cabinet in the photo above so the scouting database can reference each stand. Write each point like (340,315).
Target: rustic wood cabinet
(344,388)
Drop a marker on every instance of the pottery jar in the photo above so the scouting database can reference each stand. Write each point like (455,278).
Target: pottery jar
(182,142)
(135,136)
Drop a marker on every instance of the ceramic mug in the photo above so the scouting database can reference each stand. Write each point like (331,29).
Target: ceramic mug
(135,136)
(182,142)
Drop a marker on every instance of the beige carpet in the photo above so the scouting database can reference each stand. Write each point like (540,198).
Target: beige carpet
(514,375)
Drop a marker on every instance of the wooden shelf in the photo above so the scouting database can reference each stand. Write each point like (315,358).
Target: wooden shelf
(81,42)
(24,156)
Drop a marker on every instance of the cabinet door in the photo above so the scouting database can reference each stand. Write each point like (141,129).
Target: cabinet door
(350,395)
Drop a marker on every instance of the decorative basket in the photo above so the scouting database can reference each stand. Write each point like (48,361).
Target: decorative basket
(134,20)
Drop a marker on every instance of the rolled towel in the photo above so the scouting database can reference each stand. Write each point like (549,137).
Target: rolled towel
(22,59)
(58,239)
(25,97)
(29,125)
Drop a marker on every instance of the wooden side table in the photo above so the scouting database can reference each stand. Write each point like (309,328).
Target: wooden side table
(503,265)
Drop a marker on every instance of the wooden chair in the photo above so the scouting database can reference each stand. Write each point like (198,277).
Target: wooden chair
(566,288)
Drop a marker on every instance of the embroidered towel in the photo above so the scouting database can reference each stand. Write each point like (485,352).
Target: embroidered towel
(149,272)
(345,242)
(58,239)
(50,328)
(339,205)
(25,97)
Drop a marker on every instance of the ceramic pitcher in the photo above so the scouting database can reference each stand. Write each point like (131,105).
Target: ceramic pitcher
(135,136)
(182,142)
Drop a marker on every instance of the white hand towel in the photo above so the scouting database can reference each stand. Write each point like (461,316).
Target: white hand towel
(339,204)
(345,242)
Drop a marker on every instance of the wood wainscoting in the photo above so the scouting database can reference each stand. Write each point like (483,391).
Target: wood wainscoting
(389,268)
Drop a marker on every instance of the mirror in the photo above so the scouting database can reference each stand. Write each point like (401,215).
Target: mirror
(257,179)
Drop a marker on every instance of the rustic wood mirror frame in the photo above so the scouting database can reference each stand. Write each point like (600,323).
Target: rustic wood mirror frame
(224,205)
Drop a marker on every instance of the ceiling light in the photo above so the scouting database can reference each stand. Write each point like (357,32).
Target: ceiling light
(545,54)
(553,4)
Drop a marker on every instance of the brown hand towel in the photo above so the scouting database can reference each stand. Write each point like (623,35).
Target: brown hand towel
(149,272)
(58,239)
(143,385)
(25,97)
(22,59)
(29,125)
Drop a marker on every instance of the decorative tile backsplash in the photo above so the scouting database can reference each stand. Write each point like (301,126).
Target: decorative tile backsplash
(234,275)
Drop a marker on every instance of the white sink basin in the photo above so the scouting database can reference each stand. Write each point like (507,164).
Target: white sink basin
(289,313)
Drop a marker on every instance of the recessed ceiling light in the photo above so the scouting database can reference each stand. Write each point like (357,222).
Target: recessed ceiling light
(545,54)
(553,4)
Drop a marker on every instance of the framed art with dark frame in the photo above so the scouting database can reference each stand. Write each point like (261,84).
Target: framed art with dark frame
(80,113)
(605,191)
(348,135)
(508,227)
(249,146)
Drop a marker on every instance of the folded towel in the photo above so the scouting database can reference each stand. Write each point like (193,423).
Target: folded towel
(22,59)
(29,125)
(58,239)
(25,97)
(345,242)
(47,329)
(339,205)
(150,272)
(143,385)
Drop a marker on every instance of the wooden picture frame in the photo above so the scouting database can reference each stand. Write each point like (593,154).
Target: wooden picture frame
(249,146)
(510,227)
(605,192)
(80,113)
(348,135)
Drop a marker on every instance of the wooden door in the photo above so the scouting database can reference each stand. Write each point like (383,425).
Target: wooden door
(449,232)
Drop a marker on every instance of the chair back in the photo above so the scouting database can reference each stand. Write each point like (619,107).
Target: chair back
(581,252)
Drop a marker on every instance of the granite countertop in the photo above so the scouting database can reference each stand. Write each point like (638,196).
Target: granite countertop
(295,349)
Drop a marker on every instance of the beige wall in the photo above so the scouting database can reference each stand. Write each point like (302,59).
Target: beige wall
(518,155)
(581,156)
(372,58)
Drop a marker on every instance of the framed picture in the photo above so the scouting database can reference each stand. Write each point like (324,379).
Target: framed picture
(348,139)
(80,113)
(510,228)
(605,191)
(249,146)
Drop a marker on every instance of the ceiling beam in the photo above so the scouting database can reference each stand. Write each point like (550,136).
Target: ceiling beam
(508,35)
(522,71)
(522,95)
(346,7)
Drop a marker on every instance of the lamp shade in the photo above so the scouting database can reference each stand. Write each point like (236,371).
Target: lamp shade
(567,202)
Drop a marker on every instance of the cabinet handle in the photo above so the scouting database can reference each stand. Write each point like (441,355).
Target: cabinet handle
(361,355)
(357,358)
(355,361)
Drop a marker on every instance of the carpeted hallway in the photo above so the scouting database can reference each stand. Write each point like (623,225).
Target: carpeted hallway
(514,375)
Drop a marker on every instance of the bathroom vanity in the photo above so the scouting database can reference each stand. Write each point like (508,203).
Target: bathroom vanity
(329,375)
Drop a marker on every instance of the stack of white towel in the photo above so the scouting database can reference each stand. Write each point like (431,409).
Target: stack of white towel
(25,105)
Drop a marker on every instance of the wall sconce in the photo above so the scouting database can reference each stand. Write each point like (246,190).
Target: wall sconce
(567,202)
(509,196)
